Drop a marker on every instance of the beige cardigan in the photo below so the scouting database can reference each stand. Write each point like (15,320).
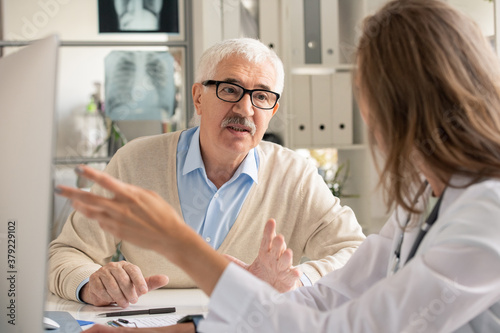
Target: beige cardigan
(289,189)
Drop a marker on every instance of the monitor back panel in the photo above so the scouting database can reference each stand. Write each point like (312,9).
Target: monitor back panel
(27,103)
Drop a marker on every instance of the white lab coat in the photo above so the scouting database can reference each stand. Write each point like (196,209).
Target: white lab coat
(451,285)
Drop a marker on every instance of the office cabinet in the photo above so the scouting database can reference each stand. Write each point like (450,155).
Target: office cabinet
(315,37)
(342,97)
(269,24)
(321,110)
(319,42)
(318,45)
(300,116)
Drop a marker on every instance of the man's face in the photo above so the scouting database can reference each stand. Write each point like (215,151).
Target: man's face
(232,139)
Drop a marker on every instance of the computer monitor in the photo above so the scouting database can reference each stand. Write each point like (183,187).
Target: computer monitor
(27,141)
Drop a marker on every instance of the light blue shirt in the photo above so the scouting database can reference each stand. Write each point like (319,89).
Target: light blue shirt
(211,212)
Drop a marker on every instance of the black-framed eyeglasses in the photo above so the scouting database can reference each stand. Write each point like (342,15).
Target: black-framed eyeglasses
(233,93)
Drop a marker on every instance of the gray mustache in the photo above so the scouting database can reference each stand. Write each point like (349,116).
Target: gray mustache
(239,121)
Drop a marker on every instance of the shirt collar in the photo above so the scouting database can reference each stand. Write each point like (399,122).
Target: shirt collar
(193,158)
(250,166)
(194,161)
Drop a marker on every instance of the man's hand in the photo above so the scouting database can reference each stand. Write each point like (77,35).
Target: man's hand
(274,261)
(179,328)
(119,282)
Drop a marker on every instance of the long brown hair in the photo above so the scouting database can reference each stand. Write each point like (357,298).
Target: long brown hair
(431,83)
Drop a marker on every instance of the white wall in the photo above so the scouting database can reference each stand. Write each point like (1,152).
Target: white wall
(480,11)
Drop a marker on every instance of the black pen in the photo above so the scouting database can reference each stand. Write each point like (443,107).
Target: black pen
(137,312)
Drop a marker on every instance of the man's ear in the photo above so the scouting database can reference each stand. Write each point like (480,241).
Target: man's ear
(276,108)
(197,93)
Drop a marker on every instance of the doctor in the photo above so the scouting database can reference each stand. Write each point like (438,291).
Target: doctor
(429,90)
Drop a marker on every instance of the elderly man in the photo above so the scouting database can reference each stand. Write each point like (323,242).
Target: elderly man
(223,181)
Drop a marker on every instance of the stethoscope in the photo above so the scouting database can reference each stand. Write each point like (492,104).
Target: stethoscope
(421,234)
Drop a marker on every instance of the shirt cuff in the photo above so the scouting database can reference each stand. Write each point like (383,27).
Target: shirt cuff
(310,271)
(80,286)
(306,282)
(196,322)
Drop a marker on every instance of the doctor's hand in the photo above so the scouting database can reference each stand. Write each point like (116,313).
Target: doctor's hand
(274,261)
(119,282)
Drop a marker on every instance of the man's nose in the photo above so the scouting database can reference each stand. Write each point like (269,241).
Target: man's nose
(244,106)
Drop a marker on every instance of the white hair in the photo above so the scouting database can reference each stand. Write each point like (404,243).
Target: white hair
(251,49)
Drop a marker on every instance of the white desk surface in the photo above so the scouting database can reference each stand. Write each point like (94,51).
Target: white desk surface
(186,301)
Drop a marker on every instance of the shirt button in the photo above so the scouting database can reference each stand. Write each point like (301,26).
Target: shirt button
(216,195)
(208,239)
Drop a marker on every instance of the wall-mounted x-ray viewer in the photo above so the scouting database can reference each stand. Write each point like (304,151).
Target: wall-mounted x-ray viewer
(139,85)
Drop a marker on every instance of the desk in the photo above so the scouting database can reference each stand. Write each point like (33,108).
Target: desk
(186,301)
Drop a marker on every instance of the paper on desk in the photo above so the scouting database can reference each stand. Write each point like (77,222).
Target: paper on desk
(151,321)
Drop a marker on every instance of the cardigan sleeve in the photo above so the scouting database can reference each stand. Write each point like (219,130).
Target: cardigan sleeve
(332,230)
(314,223)
(81,248)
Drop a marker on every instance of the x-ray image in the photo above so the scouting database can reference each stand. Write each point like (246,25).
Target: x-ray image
(138,16)
(139,85)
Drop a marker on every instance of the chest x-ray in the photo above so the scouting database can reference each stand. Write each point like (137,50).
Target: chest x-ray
(139,85)
(138,16)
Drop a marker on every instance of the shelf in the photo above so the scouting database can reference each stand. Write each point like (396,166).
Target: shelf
(321,70)
(83,43)
(338,147)
(80,160)
(352,147)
